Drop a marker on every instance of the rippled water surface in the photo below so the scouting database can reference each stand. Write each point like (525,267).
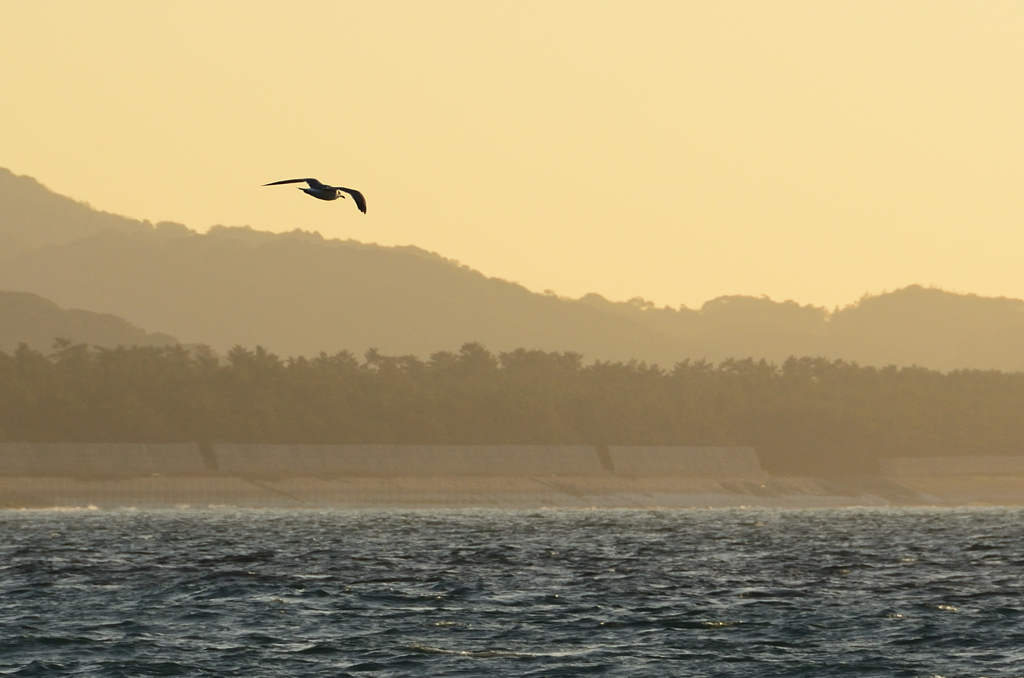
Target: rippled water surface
(849,592)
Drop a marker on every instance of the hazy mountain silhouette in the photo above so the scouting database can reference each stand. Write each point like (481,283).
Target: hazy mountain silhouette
(28,318)
(33,216)
(911,326)
(297,293)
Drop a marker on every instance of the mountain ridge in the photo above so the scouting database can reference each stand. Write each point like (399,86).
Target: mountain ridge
(297,293)
(30,319)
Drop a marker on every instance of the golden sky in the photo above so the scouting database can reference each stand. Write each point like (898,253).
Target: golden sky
(672,150)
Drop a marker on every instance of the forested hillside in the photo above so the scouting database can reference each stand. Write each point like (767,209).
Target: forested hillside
(300,294)
(806,416)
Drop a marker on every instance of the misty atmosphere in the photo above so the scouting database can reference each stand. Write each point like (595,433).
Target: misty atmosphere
(298,294)
(291,339)
(680,338)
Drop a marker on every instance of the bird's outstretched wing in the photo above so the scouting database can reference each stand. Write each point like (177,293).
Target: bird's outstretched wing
(357,196)
(313,183)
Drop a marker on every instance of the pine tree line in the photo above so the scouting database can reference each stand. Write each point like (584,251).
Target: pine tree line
(806,415)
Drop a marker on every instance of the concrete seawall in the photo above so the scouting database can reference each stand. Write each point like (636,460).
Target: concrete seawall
(409,461)
(41,475)
(697,462)
(101,460)
(966,480)
(128,460)
(515,476)
(954,466)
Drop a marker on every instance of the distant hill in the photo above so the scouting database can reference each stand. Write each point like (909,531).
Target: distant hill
(911,326)
(297,293)
(32,216)
(28,318)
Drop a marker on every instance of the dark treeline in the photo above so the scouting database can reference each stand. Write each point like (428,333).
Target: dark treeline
(807,415)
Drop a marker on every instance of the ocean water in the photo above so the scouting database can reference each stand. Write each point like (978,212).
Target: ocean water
(848,592)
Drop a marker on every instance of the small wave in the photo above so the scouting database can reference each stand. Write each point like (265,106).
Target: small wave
(693,624)
(480,654)
(275,593)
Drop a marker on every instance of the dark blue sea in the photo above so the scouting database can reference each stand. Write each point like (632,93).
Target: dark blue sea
(848,592)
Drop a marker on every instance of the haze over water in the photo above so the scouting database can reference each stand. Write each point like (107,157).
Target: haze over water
(851,592)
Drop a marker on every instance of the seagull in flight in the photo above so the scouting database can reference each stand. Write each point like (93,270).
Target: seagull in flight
(325,192)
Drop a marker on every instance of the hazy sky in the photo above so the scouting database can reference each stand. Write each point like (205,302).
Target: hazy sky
(673,150)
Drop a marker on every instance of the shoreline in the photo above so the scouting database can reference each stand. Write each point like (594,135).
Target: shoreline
(505,492)
(116,475)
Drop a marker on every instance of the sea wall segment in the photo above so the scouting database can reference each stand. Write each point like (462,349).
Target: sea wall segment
(954,466)
(698,462)
(100,460)
(339,461)
(132,460)
(111,475)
